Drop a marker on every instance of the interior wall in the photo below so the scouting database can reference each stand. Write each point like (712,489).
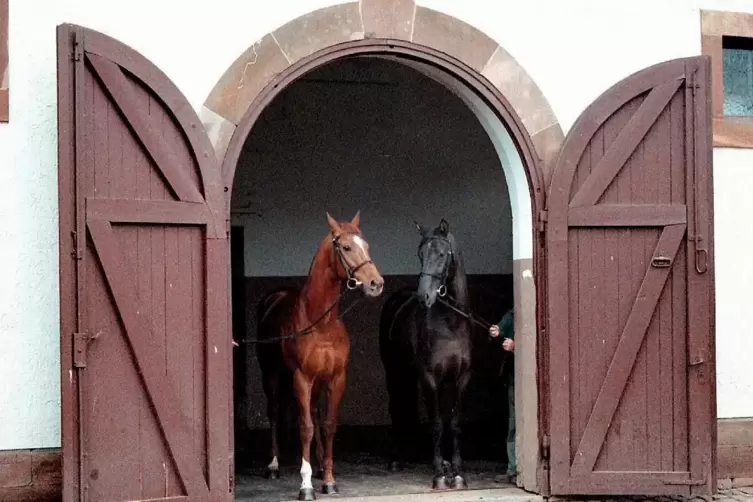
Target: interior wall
(377,136)
(380,137)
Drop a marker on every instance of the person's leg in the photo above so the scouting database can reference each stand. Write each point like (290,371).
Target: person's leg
(512,470)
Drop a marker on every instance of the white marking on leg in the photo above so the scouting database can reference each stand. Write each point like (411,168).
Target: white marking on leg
(306,475)
(274,465)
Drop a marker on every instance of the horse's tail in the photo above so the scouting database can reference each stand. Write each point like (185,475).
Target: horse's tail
(271,311)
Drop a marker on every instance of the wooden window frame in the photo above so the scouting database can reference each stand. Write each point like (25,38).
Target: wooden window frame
(730,132)
(4,78)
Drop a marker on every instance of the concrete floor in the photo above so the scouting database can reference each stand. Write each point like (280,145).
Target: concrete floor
(371,479)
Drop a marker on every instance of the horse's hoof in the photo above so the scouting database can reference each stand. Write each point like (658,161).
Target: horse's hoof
(272,473)
(440,483)
(395,466)
(306,494)
(329,488)
(458,483)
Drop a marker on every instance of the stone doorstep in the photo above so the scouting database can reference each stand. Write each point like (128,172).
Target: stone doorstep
(490,495)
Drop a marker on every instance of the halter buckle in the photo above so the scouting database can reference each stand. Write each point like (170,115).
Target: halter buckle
(352,283)
(442,290)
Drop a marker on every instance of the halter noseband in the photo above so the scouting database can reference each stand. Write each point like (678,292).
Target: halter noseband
(352,282)
(442,290)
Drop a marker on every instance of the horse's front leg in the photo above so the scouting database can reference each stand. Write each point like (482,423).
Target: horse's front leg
(458,479)
(435,417)
(317,435)
(303,386)
(334,395)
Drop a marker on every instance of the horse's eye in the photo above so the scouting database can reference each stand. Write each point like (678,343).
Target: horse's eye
(346,248)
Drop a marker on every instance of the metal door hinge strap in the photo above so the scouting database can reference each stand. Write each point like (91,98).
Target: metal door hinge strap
(80,347)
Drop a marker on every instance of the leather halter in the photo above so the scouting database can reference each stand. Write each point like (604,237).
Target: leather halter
(442,290)
(351,282)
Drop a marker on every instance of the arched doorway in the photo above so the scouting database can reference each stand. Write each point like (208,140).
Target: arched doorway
(376,135)
(502,95)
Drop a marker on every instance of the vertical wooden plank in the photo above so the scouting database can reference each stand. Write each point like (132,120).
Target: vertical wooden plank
(679,292)
(67,91)
(582,353)
(198,287)
(622,435)
(651,347)
(663,432)
(217,357)
(700,326)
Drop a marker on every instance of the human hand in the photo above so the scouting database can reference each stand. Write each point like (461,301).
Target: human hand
(508,345)
(494,331)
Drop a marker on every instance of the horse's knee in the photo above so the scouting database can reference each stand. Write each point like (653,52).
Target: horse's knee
(455,423)
(307,430)
(330,427)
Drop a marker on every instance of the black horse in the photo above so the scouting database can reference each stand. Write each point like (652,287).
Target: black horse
(424,338)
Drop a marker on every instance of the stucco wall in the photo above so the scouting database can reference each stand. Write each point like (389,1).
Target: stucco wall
(574,50)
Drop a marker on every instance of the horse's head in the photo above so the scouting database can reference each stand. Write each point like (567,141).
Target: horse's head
(436,254)
(352,259)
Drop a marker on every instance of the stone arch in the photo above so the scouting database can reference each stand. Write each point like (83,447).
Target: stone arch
(472,66)
(401,20)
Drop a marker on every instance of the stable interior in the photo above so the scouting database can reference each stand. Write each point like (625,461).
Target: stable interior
(373,135)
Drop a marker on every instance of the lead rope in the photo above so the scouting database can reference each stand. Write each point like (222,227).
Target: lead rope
(351,283)
(309,329)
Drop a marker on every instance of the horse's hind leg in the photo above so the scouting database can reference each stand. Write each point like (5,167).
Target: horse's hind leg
(403,394)
(334,394)
(431,394)
(271,382)
(458,479)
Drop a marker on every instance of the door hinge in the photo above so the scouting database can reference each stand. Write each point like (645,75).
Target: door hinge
(543,215)
(76,253)
(81,347)
(545,447)
(78,51)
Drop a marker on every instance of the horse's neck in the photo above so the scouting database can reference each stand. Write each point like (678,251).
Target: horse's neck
(458,285)
(322,285)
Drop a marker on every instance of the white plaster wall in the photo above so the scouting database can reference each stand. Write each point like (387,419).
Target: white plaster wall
(557,42)
(733,205)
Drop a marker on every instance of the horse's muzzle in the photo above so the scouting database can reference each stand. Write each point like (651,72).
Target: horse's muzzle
(375,287)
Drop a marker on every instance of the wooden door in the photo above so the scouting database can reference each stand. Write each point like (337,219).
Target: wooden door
(145,343)
(630,291)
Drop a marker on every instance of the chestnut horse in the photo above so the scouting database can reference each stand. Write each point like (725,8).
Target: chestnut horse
(308,342)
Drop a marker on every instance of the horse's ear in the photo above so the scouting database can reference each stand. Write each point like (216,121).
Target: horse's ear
(444,227)
(419,227)
(333,225)
(356,219)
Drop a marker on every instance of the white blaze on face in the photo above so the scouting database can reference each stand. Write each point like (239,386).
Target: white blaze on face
(306,475)
(360,243)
